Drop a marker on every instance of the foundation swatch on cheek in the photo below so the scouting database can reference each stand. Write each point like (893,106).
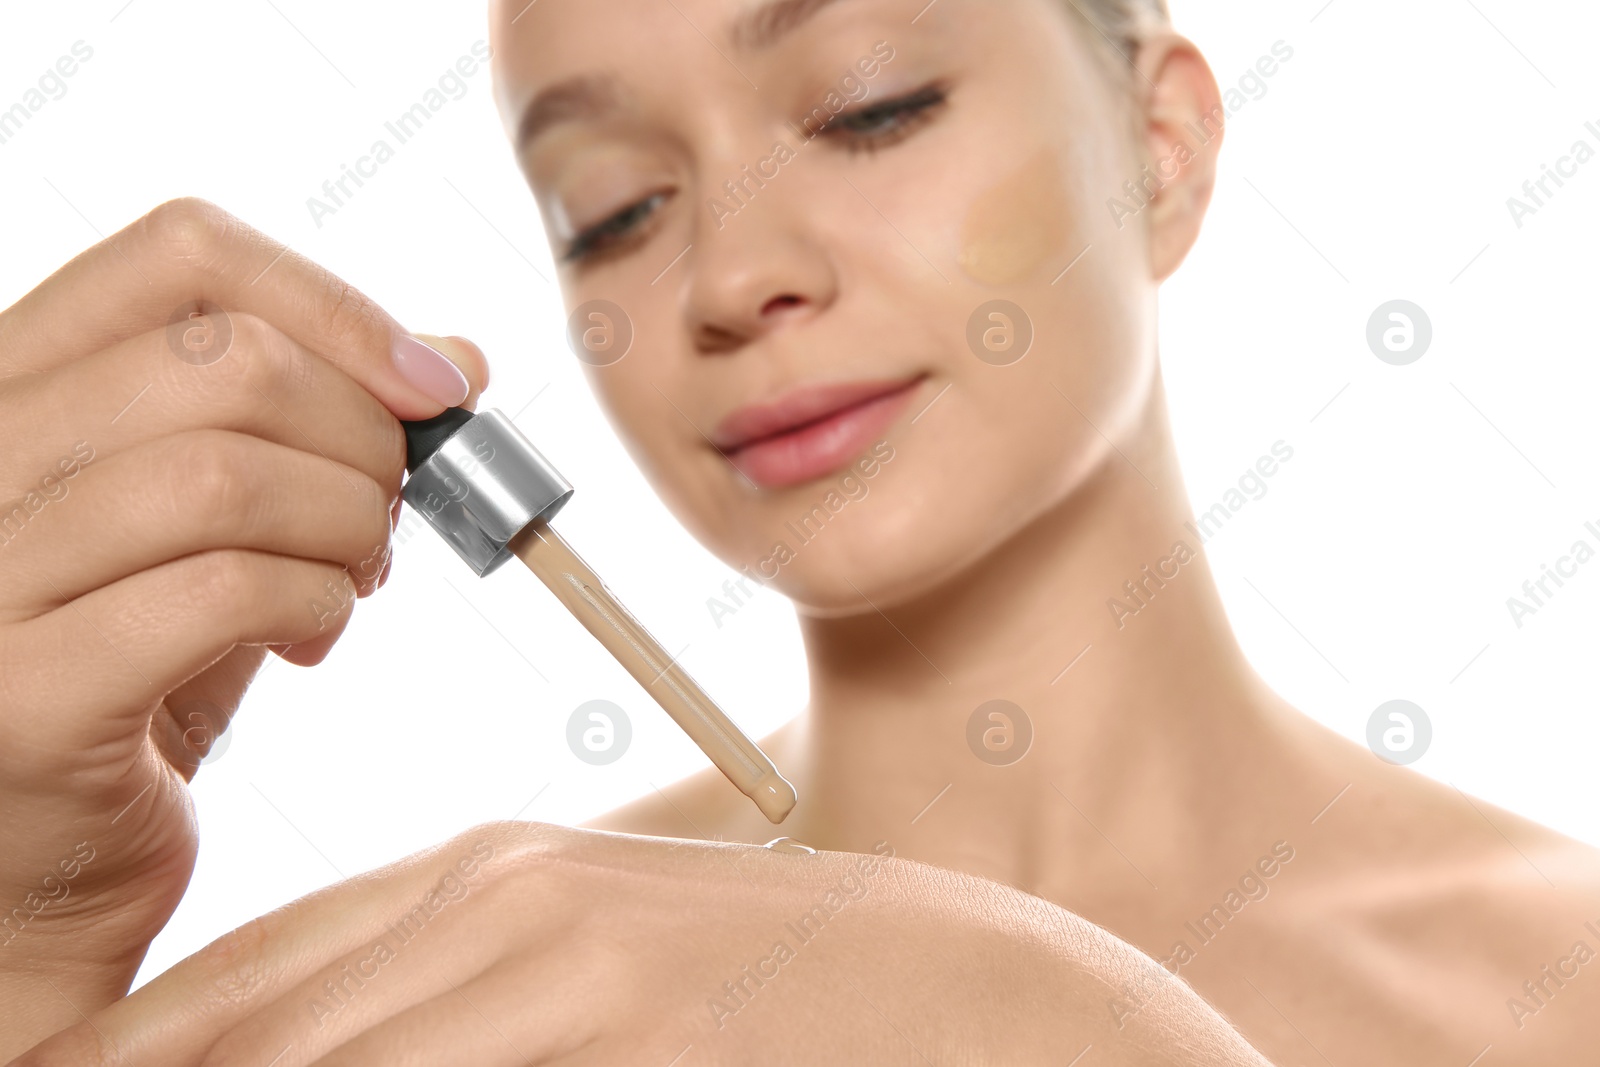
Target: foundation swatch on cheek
(1017,224)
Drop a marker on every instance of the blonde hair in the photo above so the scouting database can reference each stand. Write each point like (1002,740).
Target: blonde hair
(1121,23)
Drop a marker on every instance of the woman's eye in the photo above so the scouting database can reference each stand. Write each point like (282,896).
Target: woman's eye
(607,234)
(864,129)
(868,129)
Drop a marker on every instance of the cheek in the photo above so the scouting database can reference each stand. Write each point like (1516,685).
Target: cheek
(646,407)
(625,400)
(1017,225)
(1006,442)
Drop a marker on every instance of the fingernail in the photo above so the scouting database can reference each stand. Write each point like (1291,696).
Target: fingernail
(430,371)
(468,342)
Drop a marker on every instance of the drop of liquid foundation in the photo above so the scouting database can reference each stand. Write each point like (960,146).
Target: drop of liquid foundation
(791,846)
(1017,224)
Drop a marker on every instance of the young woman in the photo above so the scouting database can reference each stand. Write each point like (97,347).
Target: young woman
(858,242)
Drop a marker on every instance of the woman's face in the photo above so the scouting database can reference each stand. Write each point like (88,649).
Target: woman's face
(975,150)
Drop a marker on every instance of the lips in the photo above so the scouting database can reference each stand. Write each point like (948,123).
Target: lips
(811,431)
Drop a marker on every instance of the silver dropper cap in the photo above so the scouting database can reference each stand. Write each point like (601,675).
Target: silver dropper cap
(481,484)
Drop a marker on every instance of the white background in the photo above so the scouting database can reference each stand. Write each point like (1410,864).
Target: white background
(1376,166)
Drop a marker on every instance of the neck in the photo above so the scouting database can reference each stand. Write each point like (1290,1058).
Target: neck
(1145,717)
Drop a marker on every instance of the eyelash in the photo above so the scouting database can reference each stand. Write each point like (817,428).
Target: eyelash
(604,236)
(858,129)
(909,111)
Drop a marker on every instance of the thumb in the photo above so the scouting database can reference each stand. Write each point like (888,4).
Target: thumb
(468,358)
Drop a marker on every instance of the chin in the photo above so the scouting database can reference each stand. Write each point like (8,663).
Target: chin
(887,549)
(922,507)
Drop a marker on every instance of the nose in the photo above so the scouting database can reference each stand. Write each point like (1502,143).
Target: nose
(757,265)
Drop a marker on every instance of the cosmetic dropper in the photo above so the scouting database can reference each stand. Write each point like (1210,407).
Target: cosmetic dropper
(490,494)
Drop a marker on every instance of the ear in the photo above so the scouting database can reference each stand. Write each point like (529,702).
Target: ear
(1182,121)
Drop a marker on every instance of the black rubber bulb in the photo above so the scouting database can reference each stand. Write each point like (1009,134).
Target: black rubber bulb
(424,436)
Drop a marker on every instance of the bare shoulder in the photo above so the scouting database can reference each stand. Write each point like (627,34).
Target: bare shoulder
(1525,902)
(1549,989)
(1447,923)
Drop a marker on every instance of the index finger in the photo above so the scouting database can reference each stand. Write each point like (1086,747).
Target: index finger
(162,266)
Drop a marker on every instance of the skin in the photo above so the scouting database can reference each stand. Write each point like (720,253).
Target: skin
(1160,759)
(168,558)
(1398,915)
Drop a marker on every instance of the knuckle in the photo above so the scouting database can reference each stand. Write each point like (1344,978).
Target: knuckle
(223,577)
(273,365)
(210,480)
(189,229)
(232,971)
(508,846)
(252,336)
(495,871)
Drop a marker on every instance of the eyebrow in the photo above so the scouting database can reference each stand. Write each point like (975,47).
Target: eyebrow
(583,97)
(590,96)
(762,26)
